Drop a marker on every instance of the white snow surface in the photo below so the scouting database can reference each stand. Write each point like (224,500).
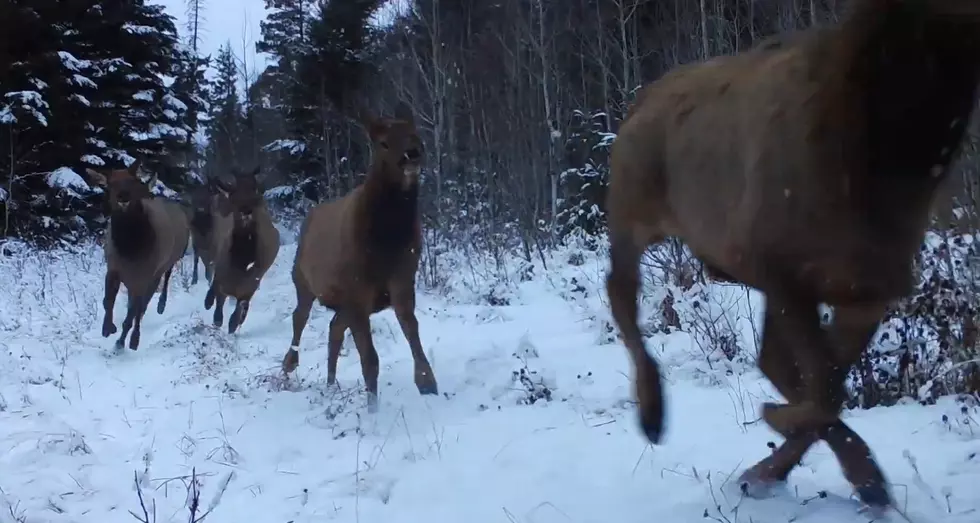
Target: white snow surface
(82,424)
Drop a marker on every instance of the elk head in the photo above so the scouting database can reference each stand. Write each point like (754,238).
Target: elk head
(240,198)
(125,189)
(397,146)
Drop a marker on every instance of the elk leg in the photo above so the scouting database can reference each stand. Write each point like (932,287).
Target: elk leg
(109,302)
(852,330)
(360,326)
(238,315)
(796,321)
(134,339)
(162,302)
(403,301)
(219,308)
(132,306)
(197,257)
(301,315)
(209,297)
(622,285)
(778,365)
(335,340)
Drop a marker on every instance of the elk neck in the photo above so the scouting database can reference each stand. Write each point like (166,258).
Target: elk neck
(392,210)
(916,74)
(132,233)
(244,248)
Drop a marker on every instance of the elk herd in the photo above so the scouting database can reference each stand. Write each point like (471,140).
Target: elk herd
(803,167)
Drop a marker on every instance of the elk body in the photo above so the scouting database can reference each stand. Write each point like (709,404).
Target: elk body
(245,244)
(804,168)
(358,255)
(203,206)
(145,239)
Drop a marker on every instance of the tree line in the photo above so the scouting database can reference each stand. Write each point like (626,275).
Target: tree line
(518,102)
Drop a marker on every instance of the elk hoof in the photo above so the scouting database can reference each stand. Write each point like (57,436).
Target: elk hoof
(108,329)
(372,402)
(290,361)
(426,383)
(875,496)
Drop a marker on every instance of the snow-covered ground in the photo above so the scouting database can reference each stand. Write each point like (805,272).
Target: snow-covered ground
(534,421)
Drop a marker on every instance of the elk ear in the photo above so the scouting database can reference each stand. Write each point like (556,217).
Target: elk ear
(404,112)
(95,177)
(152,182)
(135,166)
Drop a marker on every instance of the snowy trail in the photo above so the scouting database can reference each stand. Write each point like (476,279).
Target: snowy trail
(77,421)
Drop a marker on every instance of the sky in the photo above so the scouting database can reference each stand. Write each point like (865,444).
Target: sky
(231,20)
(224,20)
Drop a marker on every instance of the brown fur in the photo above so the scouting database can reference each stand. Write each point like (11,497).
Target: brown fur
(204,201)
(143,242)
(245,244)
(804,168)
(359,254)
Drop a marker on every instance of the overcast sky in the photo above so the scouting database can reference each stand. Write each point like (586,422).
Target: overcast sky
(226,20)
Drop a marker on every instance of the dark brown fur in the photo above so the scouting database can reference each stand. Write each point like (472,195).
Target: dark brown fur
(804,168)
(359,254)
(145,239)
(245,244)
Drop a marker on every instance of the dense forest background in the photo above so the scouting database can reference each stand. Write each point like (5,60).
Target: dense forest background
(518,102)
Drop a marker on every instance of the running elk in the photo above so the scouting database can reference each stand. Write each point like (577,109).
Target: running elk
(245,245)
(145,239)
(804,168)
(358,255)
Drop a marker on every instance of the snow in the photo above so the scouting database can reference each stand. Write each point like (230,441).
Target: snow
(279,192)
(82,426)
(65,178)
(145,96)
(28,101)
(91,159)
(72,63)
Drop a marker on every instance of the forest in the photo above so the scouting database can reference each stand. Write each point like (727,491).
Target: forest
(518,102)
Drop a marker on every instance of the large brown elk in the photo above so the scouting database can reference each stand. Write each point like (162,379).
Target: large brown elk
(358,255)
(145,239)
(804,168)
(244,246)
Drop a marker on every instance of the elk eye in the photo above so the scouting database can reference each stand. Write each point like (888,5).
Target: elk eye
(384,145)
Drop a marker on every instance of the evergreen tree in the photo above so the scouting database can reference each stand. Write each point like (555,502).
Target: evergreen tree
(225,121)
(84,85)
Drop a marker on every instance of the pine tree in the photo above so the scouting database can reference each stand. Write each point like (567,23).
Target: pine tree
(84,85)
(225,121)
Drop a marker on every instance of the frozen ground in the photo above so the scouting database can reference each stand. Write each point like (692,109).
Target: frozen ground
(82,426)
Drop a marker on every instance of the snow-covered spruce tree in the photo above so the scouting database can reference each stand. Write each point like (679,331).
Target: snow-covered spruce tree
(84,85)
(45,115)
(138,54)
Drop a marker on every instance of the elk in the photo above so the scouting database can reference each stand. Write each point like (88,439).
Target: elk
(244,246)
(145,238)
(203,202)
(358,255)
(804,168)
